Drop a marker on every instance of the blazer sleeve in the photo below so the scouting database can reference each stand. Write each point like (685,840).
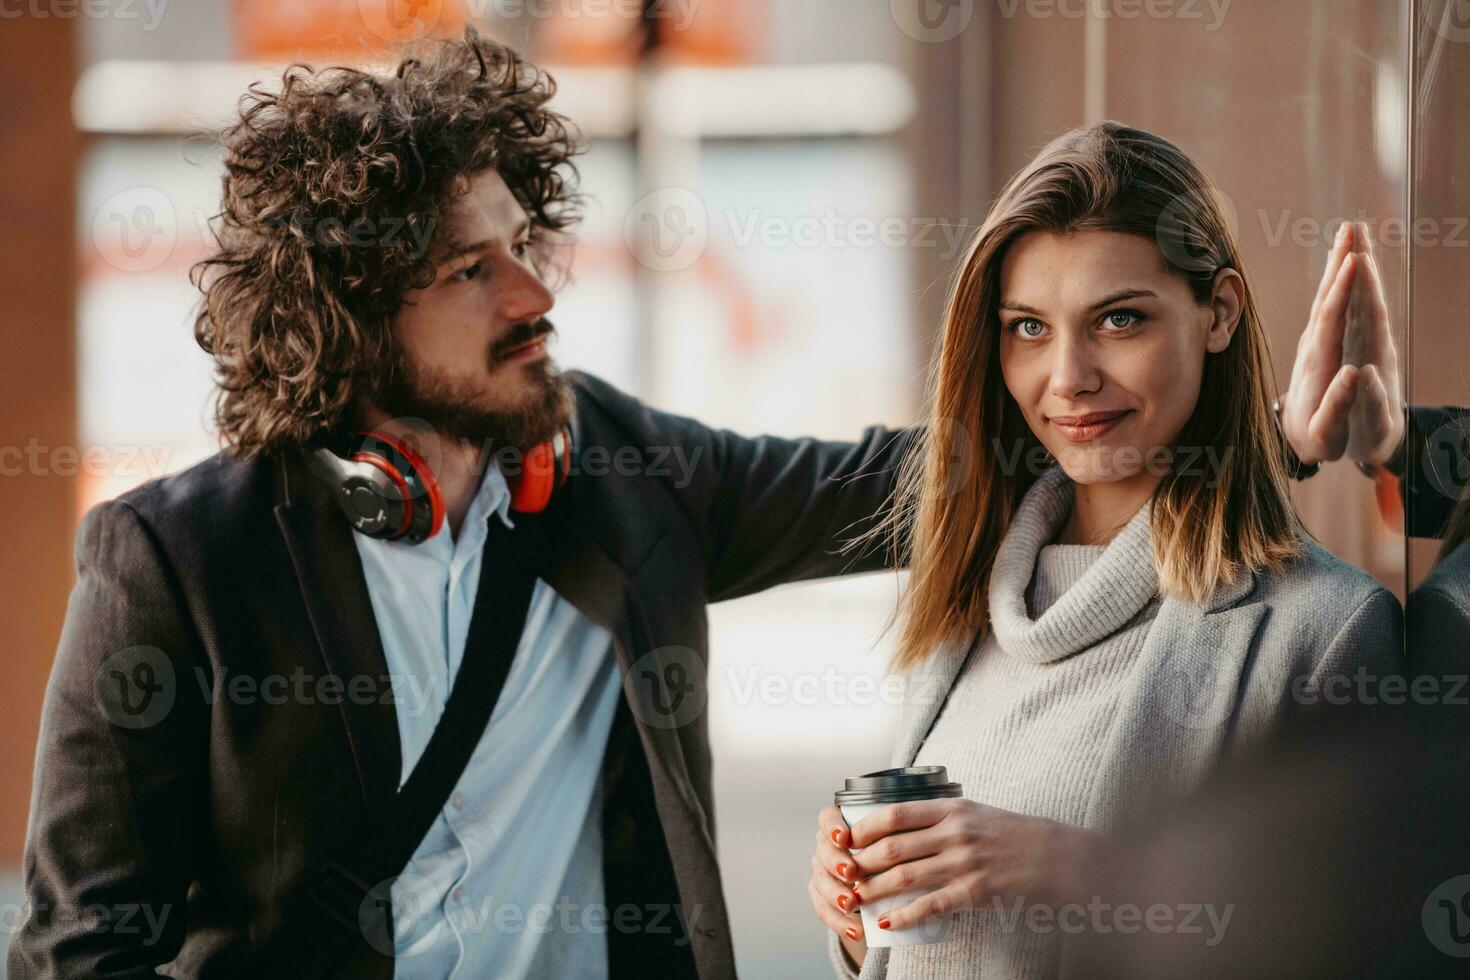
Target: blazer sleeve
(118,802)
(1371,641)
(1438,619)
(771,510)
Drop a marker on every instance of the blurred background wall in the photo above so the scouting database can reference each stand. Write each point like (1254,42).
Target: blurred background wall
(780,193)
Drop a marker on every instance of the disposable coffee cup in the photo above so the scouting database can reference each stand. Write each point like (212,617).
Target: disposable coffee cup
(865,795)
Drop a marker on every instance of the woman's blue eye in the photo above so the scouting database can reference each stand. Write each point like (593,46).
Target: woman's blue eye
(1023,328)
(1132,316)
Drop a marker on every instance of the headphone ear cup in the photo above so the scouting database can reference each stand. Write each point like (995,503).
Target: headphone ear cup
(412,481)
(367,493)
(545,468)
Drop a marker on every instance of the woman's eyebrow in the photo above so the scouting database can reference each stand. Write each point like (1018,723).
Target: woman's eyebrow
(1121,295)
(1108,300)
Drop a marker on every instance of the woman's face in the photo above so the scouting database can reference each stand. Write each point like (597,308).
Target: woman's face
(1103,348)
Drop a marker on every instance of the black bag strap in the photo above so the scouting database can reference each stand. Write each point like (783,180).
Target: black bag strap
(349,904)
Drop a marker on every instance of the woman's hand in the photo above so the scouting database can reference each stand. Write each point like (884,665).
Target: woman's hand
(833,876)
(971,854)
(1330,408)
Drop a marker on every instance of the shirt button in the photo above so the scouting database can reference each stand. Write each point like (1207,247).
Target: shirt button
(458,800)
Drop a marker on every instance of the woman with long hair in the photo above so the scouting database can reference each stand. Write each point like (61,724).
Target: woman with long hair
(1109,588)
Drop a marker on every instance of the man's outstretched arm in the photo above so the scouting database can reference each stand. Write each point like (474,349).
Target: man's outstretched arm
(771,510)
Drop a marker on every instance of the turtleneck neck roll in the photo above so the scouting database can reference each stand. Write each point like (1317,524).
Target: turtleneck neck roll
(1083,594)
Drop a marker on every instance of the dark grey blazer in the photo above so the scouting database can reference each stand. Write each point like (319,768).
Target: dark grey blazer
(205,810)
(1211,682)
(1438,618)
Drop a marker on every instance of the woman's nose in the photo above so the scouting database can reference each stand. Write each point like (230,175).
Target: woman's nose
(1073,369)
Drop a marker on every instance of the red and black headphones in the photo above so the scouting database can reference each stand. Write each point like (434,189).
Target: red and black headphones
(387,491)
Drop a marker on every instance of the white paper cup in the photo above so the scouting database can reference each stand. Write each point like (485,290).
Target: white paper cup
(866,795)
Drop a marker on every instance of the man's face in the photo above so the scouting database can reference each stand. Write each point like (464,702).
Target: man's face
(470,348)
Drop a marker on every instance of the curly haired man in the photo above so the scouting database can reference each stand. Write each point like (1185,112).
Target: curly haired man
(239,734)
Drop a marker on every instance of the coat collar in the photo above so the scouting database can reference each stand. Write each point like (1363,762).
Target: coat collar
(1196,653)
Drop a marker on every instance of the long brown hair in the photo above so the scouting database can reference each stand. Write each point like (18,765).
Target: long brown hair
(958,491)
(336,187)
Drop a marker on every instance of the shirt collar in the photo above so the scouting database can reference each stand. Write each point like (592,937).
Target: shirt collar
(492,497)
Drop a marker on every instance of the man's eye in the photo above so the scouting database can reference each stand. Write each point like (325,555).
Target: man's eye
(467,273)
(521,249)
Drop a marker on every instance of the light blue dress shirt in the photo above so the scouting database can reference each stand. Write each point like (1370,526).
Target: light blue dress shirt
(508,881)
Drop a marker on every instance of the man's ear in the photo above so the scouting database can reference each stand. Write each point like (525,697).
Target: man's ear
(1226,306)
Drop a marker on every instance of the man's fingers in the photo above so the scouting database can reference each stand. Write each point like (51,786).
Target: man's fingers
(1381,343)
(1328,428)
(1332,317)
(1341,246)
(1320,354)
(1382,419)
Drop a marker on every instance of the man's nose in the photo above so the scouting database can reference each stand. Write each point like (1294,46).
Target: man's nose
(525,296)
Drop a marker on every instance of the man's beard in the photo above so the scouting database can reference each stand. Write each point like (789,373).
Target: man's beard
(454,407)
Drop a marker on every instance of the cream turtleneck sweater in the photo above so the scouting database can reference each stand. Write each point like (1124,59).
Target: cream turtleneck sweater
(1030,711)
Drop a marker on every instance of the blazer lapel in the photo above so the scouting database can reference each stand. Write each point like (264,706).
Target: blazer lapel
(926,690)
(1171,730)
(335,591)
(596,573)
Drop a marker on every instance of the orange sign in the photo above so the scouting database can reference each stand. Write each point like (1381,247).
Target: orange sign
(285,30)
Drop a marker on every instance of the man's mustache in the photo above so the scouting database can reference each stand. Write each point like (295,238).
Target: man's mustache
(519,336)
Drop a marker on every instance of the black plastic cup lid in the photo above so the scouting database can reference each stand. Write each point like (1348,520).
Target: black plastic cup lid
(898,786)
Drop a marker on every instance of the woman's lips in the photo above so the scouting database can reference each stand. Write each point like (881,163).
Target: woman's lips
(1085,428)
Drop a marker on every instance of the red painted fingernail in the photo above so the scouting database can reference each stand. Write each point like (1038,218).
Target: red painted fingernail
(837,838)
(844,902)
(852,933)
(883,922)
(842,869)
